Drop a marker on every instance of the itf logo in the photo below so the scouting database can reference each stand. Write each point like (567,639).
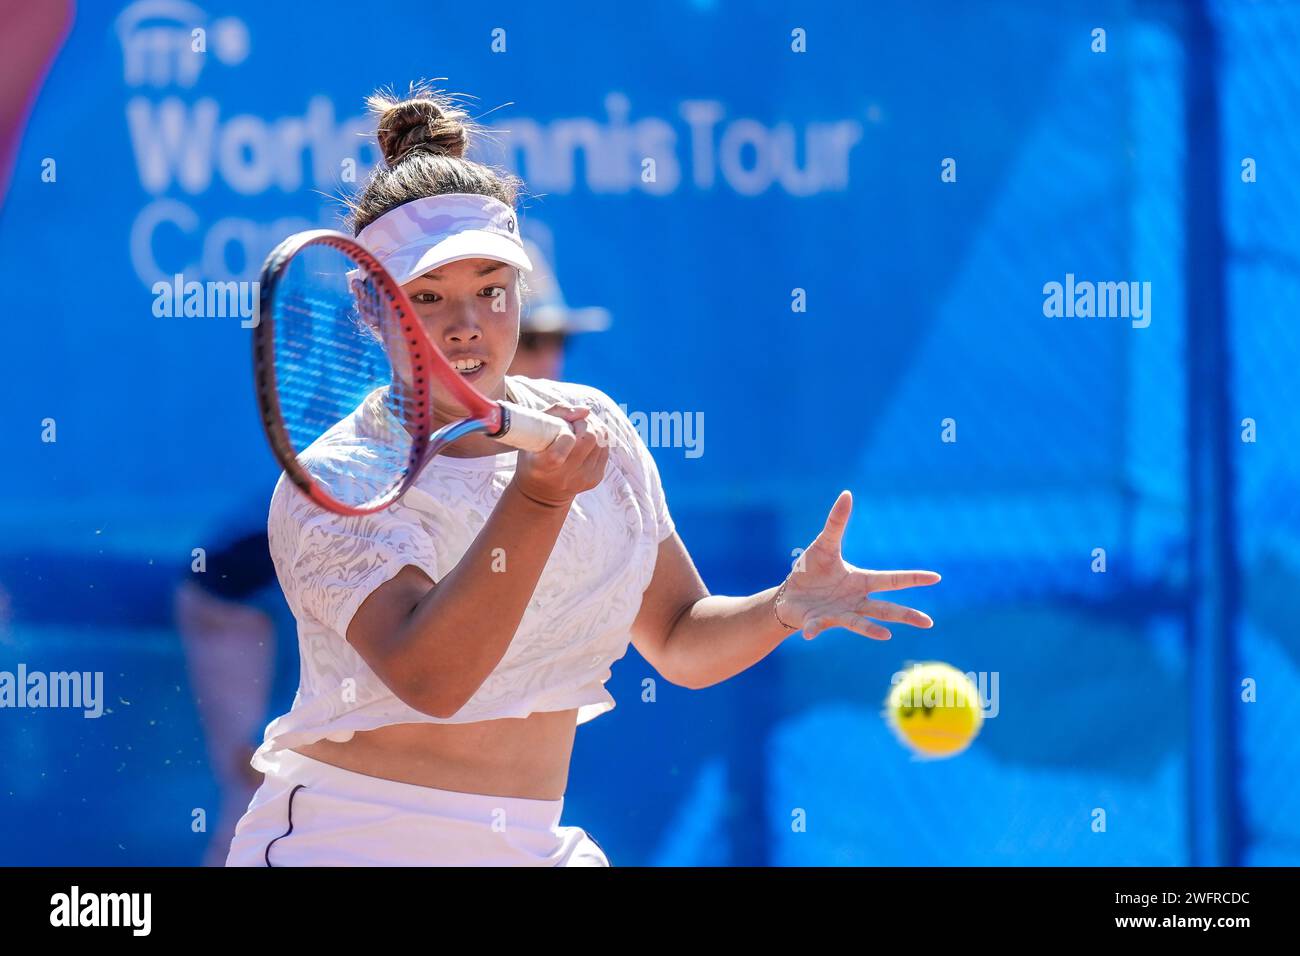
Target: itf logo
(185,146)
(166,42)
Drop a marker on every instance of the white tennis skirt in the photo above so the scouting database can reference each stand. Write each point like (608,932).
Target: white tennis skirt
(308,813)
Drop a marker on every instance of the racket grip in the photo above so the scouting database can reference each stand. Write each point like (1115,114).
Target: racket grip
(529,430)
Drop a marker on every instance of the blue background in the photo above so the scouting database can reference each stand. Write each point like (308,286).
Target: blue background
(924,303)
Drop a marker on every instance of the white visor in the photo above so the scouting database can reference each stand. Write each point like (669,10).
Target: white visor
(421,235)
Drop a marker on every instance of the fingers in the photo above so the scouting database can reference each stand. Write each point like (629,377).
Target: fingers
(863,620)
(886,611)
(591,453)
(558,451)
(585,450)
(575,462)
(814,627)
(591,445)
(837,520)
(867,628)
(597,464)
(897,580)
(863,623)
(840,611)
(570,413)
(853,622)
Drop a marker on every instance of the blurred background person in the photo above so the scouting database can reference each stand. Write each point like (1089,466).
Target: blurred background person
(241,656)
(548,321)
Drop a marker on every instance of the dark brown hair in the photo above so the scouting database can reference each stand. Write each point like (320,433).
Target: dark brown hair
(424,138)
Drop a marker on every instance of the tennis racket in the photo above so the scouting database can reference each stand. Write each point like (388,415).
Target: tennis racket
(343,369)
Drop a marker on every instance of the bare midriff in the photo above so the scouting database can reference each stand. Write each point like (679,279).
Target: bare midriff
(512,757)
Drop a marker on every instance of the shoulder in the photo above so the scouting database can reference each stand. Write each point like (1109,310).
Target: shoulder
(548,391)
(316,551)
(290,510)
(295,521)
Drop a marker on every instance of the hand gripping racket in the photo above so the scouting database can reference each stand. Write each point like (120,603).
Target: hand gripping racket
(343,367)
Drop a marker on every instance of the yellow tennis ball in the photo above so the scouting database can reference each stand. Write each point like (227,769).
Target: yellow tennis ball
(934,708)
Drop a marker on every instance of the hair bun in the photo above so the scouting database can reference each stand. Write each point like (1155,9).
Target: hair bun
(426,121)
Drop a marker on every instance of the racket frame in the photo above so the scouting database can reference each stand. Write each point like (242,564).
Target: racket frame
(420,352)
(514,425)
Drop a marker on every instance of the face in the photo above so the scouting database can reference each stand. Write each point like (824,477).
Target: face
(470,310)
(540,355)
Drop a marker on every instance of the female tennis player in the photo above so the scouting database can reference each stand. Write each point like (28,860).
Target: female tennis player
(452,643)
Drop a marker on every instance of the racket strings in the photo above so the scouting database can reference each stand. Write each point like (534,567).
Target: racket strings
(350,416)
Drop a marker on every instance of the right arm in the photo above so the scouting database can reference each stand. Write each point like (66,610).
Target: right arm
(433,644)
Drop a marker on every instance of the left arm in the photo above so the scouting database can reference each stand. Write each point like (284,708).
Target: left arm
(696,639)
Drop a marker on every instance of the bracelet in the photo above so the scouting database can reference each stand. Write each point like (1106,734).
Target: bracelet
(776,601)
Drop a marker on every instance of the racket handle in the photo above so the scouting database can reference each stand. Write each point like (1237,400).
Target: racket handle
(529,430)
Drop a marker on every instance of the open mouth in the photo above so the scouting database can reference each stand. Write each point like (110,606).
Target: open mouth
(467,366)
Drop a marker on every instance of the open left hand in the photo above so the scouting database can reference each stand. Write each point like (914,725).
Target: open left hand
(825,591)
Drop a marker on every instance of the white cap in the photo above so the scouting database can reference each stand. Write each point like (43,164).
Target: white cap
(421,235)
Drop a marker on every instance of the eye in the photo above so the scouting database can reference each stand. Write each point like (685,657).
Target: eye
(425,298)
(493,290)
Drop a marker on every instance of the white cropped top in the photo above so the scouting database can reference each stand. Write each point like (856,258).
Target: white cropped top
(577,624)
